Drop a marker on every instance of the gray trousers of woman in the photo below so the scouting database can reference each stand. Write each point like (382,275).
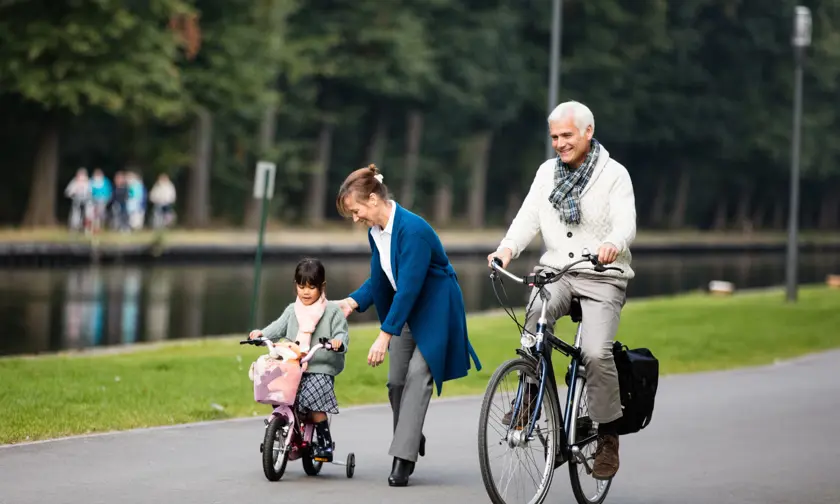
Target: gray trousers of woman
(409,391)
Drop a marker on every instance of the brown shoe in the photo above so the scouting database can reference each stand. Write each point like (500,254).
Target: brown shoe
(529,399)
(606,457)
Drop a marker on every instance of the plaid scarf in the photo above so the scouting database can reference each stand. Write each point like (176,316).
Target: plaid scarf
(568,183)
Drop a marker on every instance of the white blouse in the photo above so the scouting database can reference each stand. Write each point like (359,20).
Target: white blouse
(382,238)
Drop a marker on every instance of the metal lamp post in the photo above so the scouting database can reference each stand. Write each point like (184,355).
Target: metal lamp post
(554,65)
(800,41)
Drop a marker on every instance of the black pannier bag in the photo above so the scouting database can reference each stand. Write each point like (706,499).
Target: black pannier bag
(638,379)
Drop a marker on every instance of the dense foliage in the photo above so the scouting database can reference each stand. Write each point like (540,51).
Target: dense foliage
(447,96)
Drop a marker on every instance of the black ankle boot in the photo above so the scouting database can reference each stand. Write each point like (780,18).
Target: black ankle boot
(324,448)
(400,471)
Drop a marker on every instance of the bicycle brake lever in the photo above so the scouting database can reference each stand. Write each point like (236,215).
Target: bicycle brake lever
(600,268)
(493,273)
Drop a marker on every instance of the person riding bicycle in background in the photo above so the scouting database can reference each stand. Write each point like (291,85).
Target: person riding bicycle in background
(163,197)
(101,190)
(583,198)
(306,321)
(78,191)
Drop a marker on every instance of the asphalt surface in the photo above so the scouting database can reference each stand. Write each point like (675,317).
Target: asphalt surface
(763,435)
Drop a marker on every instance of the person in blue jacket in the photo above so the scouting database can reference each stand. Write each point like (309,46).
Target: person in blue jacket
(419,305)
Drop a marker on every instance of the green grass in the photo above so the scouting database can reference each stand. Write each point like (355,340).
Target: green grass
(52,396)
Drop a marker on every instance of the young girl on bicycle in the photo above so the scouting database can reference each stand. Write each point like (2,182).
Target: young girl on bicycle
(307,320)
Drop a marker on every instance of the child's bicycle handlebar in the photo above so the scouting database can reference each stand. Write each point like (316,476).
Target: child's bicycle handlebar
(323,343)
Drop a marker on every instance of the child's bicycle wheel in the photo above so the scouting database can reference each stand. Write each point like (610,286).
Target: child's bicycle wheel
(351,465)
(275,453)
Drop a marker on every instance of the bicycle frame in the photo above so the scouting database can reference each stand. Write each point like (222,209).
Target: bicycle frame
(303,429)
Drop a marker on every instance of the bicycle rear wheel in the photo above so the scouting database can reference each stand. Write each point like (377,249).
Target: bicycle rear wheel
(311,466)
(517,468)
(587,489)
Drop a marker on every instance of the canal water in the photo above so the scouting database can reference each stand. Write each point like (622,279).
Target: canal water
(53,309)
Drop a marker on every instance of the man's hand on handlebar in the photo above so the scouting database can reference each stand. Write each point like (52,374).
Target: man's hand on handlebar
(607,253)
(255,334)
(504,255)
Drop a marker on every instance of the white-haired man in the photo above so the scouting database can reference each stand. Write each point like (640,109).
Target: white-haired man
(581,199)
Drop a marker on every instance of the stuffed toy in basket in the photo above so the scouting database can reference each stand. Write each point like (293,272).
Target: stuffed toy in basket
(276,375)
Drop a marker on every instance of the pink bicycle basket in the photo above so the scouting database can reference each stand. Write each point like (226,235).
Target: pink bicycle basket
(275,381)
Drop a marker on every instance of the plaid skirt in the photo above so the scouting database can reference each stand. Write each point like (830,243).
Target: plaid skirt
(316,393)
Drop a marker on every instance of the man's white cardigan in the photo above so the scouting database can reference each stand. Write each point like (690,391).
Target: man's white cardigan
(608,215)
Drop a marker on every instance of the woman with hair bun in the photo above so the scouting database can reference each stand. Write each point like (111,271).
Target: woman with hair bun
(420,308)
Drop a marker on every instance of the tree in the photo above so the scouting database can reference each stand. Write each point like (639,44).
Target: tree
(368,53)
(72,56)
(231,83)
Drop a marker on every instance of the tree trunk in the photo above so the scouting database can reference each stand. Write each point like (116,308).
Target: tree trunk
(657,214)
(414,133)
(268,126)
(720,215)
(479,158)
(830,208)
(379,140)
(681,203)
(318,183)
(779,217)
(758,216)
(40,210)
(514,202)
(742,211)
(443,201)
(198,191)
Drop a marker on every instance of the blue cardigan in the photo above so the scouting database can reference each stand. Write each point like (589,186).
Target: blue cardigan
(428,297)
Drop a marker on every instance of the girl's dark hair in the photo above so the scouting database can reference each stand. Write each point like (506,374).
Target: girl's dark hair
(361,183)
(311,272)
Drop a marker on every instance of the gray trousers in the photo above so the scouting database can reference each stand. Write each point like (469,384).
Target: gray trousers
(409,391)
(601,301)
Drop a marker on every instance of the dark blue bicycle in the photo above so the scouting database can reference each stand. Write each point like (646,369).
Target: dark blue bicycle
(529,429)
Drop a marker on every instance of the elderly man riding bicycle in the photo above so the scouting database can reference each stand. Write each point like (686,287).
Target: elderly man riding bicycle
(581,199)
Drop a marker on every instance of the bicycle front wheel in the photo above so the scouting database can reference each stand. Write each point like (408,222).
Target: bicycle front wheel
(587,489)
(517,467)
(275,452)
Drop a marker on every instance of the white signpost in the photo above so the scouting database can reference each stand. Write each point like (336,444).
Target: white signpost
(264,178)
(264,190)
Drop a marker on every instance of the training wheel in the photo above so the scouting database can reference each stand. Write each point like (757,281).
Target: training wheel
(351,465)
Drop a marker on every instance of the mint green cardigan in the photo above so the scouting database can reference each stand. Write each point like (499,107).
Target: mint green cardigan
(331,326)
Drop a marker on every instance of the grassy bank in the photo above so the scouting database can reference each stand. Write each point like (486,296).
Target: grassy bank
(342,233)
(52,396)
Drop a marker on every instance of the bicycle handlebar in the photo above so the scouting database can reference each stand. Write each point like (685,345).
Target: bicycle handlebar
(323,343)
(540,280)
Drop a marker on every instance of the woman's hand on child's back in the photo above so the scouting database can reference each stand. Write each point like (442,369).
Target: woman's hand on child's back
(347,306)
(256,333)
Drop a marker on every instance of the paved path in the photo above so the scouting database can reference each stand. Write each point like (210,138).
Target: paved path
(764,435)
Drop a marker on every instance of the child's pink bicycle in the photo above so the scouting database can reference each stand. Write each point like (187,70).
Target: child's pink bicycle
(287,435)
